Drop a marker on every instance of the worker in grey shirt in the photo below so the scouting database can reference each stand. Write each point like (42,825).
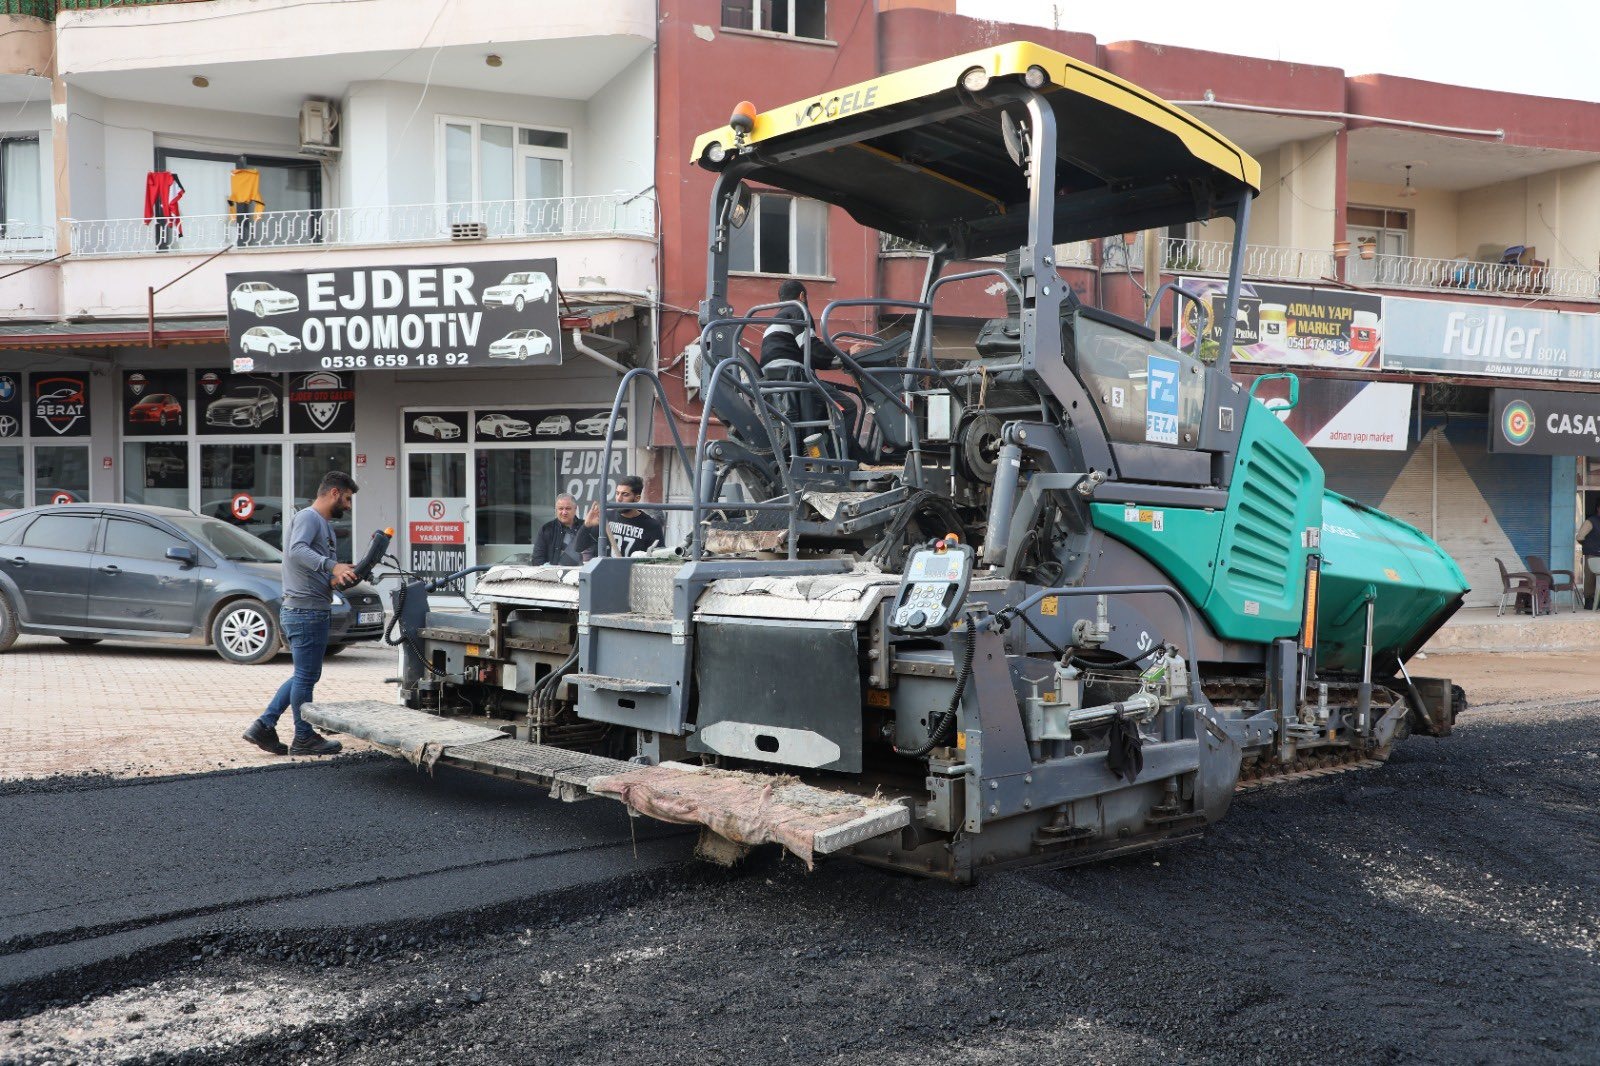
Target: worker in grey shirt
(310,574)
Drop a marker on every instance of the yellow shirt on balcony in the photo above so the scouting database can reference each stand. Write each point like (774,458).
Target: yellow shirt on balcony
(244,192)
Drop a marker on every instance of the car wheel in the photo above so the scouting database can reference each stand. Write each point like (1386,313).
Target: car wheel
(522,353)
(520,303)
(163,420)
(255,418)
(81,642)
(245,632)
(261,309)
(272,349)
(8,623)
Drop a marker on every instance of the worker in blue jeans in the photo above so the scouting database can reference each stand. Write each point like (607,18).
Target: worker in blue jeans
(311,571)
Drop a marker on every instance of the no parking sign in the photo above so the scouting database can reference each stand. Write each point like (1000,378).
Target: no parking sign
(242,506)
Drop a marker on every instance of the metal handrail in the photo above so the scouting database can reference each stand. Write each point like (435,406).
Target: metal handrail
(745,365)
(1487,279)
(603,538)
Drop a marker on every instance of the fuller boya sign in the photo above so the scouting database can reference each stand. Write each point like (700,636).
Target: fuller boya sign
(395,318)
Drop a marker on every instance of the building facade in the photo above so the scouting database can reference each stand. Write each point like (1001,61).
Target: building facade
(155,154)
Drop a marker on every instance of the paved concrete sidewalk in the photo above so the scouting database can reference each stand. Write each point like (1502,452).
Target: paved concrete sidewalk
(134,710)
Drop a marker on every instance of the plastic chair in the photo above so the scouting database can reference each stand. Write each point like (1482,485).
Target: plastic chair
(1554,581)
(1518,587)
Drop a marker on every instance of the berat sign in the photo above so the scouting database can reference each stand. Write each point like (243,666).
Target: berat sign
(58,402)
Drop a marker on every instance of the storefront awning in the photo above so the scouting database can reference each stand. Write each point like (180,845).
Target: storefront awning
(104,333)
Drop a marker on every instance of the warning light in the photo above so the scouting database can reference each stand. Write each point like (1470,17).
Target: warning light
(743,119)
(389,532)
(952,539)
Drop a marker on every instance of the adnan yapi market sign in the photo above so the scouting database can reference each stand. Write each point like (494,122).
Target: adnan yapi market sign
(1289,325)
(454,316)
(1433,336)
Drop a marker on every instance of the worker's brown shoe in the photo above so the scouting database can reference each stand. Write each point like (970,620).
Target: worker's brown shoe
(315,744)
(265,739)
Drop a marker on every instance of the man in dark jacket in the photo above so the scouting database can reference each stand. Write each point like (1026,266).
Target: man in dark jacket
(561,540)
(786,337)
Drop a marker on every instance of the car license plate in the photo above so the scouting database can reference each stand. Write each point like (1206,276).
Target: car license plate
(367,618)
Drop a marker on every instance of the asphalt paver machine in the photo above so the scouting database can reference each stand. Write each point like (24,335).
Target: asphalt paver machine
(1047,600)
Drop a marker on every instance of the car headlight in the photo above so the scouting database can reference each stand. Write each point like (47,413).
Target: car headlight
(338,600)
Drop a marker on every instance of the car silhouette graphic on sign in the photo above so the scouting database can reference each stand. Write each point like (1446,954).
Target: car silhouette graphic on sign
(521,344)
(161,408)
(502,426)
(263,298)
(595,425)
(246,405)
(436,427)
(554,426)
(518,290)
(268,340)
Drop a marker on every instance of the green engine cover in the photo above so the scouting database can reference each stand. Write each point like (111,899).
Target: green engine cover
(1245,567)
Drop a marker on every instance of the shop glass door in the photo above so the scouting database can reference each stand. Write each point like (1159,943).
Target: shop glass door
(60,473)
(156,472)
(503,519)
(311,461)
(438,513)
(243,484)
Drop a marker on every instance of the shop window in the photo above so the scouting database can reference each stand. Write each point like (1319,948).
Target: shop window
(783,235)
(21,198)
(156,473)
(60,474)
(11,473)
(795,18)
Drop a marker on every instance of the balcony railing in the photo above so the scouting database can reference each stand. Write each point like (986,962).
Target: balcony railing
(1260,260)
(612,215)
(1078,253)
(1463,275)
(26,240)
(46,9)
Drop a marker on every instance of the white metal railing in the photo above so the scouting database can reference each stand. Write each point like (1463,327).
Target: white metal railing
(26,240)
(1456,275)
(1078,253)
(609,215)
(1181,256)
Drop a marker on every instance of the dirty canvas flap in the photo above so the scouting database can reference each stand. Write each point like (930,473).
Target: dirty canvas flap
(744,807)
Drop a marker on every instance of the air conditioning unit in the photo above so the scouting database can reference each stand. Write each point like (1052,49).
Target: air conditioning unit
(319,127)
(469,231)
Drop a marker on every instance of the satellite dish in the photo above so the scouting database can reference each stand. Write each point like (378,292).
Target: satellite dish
(1016,138)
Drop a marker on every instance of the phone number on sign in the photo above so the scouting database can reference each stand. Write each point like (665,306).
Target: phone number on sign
(379,362)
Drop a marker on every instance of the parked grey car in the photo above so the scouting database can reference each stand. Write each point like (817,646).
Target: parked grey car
(89,572)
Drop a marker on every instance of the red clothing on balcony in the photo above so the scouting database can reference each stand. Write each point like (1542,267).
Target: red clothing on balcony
(162,191)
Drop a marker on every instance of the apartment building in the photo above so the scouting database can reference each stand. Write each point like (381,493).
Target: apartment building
(468,181)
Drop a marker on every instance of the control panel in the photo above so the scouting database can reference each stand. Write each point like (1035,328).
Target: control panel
(933,588)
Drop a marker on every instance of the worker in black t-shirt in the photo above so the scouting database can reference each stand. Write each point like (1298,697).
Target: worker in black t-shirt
(630,530)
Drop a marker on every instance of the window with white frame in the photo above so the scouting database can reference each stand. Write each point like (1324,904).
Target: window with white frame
(21,192)
(782,235)
(796,18)
(515,178)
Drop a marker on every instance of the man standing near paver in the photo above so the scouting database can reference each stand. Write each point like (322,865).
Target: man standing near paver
(310,574)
